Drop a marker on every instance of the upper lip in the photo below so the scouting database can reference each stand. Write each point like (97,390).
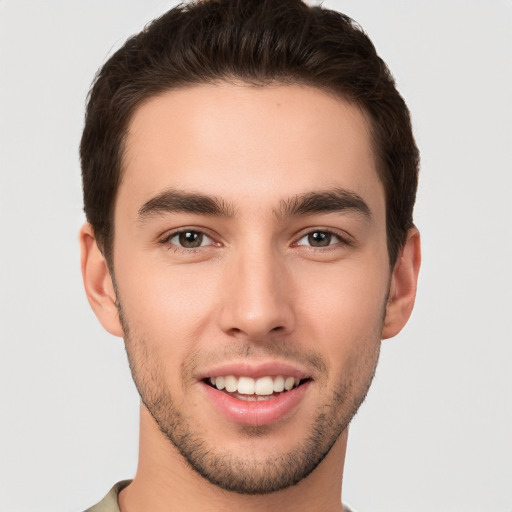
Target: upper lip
(246,369)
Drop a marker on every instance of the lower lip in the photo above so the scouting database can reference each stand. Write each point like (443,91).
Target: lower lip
(254,413)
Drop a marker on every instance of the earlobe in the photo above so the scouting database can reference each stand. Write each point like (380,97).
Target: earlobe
(404,281)
(98,282)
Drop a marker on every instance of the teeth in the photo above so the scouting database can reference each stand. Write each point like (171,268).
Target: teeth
(264,386)
(279,384)
(231,383)
(288,383)
(246,386)
(219,383)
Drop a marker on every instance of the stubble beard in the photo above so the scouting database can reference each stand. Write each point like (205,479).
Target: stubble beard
(227,470)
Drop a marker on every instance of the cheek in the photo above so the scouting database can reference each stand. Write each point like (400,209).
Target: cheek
(166,315)
(166,303)
(342,308)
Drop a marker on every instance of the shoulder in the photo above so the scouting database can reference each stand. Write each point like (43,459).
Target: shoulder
(109,502)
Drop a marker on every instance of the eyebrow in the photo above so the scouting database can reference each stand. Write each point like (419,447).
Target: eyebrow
(333,200)
(174,201)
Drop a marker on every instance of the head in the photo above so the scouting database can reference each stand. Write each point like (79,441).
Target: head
(258,43)
(249,177)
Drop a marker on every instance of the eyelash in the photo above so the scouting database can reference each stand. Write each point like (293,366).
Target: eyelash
(341,240)
(166,240)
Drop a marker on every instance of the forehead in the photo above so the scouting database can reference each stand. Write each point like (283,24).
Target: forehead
(242,142)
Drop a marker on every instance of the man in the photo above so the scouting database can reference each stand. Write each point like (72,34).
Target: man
(249,176)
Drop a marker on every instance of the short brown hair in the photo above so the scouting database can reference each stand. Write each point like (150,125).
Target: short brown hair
(258,42)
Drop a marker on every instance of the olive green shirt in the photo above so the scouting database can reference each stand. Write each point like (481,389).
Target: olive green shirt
(109,502)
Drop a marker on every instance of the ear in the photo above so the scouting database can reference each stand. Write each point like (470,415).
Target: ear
(404,281)
(98,283)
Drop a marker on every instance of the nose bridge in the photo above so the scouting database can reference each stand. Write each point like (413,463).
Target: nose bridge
(257,300)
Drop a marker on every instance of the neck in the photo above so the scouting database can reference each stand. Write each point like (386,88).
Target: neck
(165,482)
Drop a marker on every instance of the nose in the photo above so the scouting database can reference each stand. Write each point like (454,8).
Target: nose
(257,296)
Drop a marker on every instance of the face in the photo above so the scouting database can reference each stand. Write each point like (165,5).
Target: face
(251,274)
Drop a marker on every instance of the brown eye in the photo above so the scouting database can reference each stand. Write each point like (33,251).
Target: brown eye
(322,239)
(189,239)
(319,239)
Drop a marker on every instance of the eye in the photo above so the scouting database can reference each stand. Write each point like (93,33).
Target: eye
(319,239)
(189,239)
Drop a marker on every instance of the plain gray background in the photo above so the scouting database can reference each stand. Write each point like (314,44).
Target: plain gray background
(435,431)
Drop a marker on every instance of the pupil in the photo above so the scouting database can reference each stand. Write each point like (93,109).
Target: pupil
(319,239)
(191,239)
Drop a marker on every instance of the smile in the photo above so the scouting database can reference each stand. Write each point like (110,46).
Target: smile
(247,388)
(255,395)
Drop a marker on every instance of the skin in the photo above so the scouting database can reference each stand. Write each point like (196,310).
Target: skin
(258,289)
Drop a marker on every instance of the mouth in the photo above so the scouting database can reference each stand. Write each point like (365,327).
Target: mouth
(255,395)
(254,389)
